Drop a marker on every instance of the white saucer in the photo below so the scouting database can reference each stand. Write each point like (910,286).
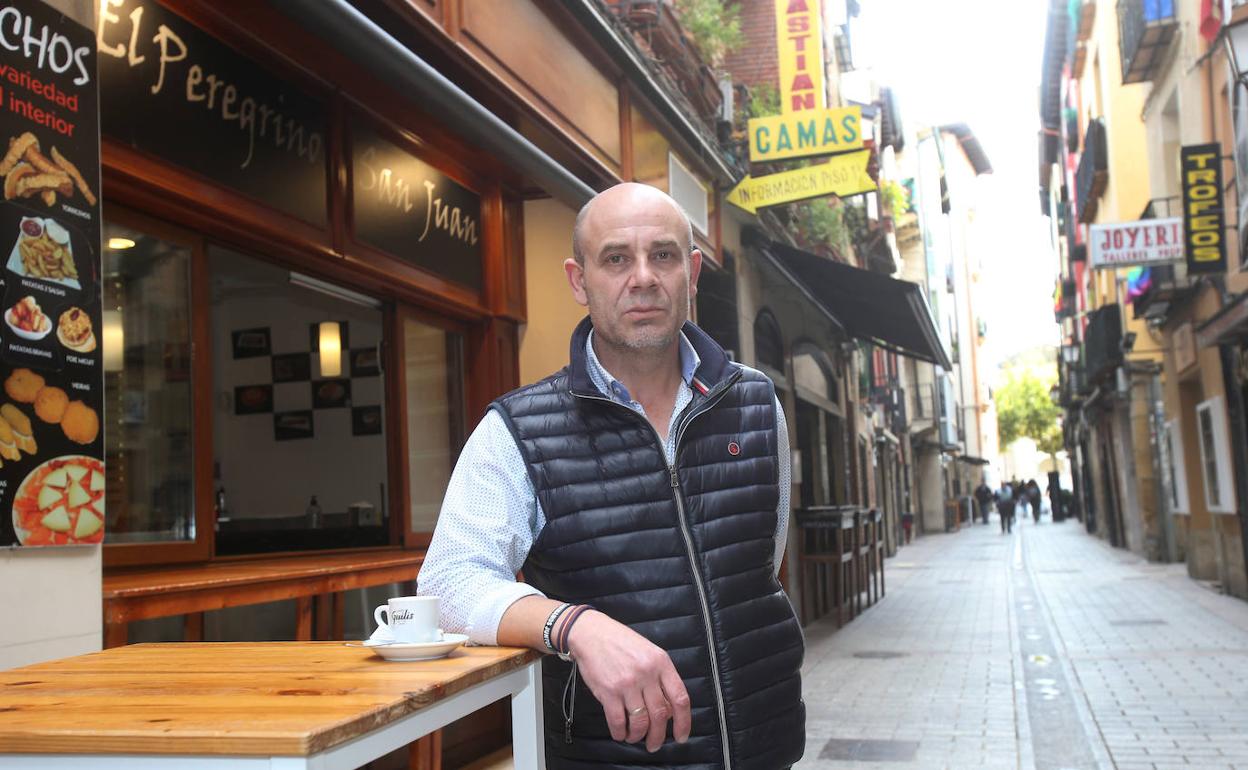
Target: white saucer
(407,651)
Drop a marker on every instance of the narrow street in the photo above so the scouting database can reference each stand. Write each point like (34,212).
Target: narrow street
(1044,649)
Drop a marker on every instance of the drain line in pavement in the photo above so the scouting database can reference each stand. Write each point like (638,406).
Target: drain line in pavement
(1056,712)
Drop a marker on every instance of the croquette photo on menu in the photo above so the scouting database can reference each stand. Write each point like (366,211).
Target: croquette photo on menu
(52,475)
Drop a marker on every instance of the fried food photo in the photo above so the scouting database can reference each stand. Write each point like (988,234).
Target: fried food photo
(28,172)
(81,423)
(27,319)
(74,330)
(51,403)
(47,255)
(23,385)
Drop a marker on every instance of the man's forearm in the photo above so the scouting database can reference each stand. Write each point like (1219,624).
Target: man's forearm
(522,623)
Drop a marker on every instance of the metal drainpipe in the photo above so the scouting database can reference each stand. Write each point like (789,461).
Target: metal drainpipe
(359,38)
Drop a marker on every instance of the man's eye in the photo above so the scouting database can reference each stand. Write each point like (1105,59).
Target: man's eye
(615,259)
(663,255)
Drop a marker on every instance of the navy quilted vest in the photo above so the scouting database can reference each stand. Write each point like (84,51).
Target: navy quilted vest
(682,555)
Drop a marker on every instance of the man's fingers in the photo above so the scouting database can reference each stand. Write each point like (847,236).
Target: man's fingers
(678,701)
(659,712)
(616,721)
(638,716)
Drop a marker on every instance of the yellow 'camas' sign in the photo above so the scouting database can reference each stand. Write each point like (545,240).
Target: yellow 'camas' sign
(799,40)
(843,175)
(804,134)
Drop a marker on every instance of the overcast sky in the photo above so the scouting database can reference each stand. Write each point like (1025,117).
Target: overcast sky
(978,62)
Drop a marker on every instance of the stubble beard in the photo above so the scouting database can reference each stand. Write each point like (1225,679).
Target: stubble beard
(646,339)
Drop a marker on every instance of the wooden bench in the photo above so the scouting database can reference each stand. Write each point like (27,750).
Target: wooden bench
(310,579)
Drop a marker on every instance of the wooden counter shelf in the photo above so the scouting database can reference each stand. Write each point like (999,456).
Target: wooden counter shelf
(155,592)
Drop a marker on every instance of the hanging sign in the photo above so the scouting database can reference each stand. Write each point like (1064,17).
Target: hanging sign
(799,41)
(51,442)
(843,175)
(1204,219)
(1125,244)
(805,134)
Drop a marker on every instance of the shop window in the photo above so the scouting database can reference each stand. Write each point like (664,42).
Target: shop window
(769,344)
(146,343)
(249,409)
(1176,467)
(1215,455)
(299,423)
(432,404)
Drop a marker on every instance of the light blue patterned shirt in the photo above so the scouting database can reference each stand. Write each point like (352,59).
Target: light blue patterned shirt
(491,517)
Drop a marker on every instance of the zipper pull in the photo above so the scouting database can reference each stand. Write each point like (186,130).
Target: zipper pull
(675,479)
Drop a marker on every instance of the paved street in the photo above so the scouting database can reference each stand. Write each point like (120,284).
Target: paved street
(1043,649)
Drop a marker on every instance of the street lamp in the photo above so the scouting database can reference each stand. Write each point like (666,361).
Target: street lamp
(1236,42)
(1070,354)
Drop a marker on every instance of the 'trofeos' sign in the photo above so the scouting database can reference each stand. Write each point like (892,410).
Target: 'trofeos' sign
(1204,219)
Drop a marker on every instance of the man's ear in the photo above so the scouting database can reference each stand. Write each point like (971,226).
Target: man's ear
(695,269)
(576,279)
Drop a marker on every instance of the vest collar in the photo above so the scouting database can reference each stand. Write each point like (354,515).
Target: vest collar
(713,369)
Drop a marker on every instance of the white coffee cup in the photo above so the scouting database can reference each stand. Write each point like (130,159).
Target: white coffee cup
(411,618)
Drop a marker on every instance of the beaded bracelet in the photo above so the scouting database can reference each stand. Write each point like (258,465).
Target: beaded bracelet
(550,624)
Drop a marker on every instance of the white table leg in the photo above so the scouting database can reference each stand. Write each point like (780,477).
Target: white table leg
(528,746)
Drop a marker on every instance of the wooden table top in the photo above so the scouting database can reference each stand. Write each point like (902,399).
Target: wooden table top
(145,581)
(249,698)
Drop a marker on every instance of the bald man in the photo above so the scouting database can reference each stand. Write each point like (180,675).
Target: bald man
(643,491)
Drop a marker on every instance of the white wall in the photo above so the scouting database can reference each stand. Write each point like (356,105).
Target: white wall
(264,477)
(51,601)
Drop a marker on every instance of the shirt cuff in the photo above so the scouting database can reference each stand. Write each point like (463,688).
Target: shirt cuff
(489,610)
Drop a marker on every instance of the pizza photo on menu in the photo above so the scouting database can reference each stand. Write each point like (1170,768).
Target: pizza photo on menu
(61,502)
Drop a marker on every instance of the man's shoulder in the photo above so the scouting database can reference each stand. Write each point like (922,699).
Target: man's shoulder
(551,385)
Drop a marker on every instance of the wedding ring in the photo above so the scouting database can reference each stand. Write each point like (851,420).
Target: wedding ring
(637,711)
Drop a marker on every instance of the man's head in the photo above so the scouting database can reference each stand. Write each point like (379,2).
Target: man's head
(634,266)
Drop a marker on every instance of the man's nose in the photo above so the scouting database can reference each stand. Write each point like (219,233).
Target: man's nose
(643,275)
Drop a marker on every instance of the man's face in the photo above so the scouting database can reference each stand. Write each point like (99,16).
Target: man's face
(636,280)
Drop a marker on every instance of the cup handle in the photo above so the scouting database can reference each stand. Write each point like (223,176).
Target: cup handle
(377,615)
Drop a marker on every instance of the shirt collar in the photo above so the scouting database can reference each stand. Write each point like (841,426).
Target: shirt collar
(609,386)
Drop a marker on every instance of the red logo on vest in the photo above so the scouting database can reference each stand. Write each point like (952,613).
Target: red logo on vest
(734,448)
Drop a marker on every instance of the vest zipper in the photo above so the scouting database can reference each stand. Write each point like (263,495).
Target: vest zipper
(712,398)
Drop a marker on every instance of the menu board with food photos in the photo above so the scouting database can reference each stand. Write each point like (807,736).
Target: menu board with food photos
(51,366)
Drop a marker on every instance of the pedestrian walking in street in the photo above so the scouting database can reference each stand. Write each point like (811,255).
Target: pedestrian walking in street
(649,550)
(1033,499)
(1005,507)
(983,496)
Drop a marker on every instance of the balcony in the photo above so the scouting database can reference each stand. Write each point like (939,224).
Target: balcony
(1145,29)
(658,31)
(1066,300)
(1102,344)
(1093,174)
(1165,288)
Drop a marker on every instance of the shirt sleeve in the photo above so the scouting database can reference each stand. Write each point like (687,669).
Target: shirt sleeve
(488,522)
(783,459)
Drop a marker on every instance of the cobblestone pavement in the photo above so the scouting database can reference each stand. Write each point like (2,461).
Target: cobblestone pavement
(1045,649)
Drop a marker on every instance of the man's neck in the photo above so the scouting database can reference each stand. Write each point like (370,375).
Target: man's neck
(649,376)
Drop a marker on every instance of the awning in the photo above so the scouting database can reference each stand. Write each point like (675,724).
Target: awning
(973,460)
(884,311)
